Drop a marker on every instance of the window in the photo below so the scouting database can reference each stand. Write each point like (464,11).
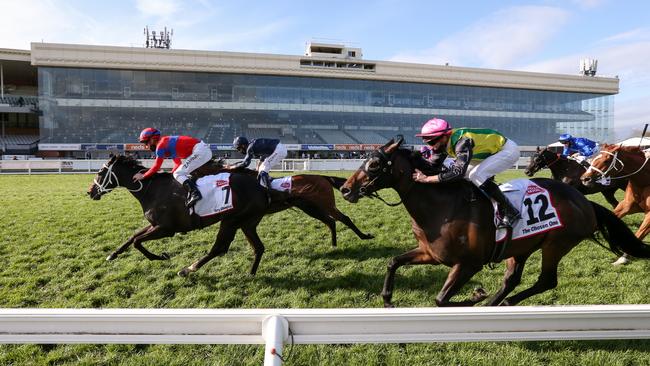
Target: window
(352,54)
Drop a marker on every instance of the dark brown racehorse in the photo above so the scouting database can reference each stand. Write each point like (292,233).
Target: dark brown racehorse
(569,171)
(629,163)
(456,231)
(162,200)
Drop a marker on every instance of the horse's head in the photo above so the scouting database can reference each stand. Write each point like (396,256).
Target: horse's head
(604,166)
(116,172)
(542,159)
(382,169)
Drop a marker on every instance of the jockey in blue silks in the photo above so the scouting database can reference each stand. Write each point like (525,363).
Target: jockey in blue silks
(578,148)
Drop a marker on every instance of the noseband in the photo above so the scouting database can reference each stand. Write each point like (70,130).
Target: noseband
(613,167)
(107,180)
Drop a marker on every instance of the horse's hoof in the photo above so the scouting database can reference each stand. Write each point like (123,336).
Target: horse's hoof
(621,261)
(111,257)
(479,294)
(505,303)
(165,256)
(184,272)
(389,305)
(368,237)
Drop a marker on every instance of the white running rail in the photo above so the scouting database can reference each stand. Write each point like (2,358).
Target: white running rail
(276,327)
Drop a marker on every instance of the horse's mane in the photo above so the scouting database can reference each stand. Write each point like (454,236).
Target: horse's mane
(419,162)
(129,161)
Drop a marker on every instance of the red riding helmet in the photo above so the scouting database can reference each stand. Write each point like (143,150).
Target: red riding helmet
(148,133)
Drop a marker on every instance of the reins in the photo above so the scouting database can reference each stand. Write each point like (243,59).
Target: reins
(612,165)
(107,180)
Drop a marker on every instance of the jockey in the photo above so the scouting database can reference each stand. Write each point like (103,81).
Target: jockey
(194,151)
(491,152)
(270,152)
(579,148)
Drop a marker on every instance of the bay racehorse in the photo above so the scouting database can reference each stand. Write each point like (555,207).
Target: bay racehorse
(309,192)
(569,171)
(162,200)
(453,225)
(624,163)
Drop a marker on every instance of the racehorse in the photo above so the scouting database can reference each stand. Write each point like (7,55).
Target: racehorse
(453,225)
(162,200)
(617,163)
(309,192)
(569,171)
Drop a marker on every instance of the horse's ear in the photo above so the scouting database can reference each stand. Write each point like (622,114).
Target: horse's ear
(393,145)
(537,150)
(390,142)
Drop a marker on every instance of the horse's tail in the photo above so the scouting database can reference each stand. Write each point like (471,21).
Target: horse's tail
(618,235)
(336,182)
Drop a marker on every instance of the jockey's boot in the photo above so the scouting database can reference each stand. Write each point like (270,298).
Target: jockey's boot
(193,194)
(265,181)
(509,213)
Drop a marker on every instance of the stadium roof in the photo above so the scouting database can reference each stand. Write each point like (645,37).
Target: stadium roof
(132,58)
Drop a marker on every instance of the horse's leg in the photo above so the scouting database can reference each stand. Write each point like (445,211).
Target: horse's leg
(511,279)
(551,255)
(626,207)
(458,276)
(338,215)
(123,247)
(415,256)
(156,232)
(225,236)
(320,215)
(250,231)
(609,196)
(145,234)
(644,228)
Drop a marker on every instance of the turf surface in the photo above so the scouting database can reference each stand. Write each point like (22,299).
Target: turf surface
(54,241)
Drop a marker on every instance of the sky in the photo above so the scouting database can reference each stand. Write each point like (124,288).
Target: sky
(541,36)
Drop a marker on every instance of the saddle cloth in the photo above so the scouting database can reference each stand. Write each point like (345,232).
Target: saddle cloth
(217,195)
(281,184)
(538,213)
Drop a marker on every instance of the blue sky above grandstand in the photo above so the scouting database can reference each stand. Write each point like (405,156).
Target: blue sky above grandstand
(544,36)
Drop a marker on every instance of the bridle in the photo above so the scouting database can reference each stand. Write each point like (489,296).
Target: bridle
(107,180)
(385,167)
(542,160)
(613,167)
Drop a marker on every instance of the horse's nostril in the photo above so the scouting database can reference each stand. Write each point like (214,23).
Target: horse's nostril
(345,190)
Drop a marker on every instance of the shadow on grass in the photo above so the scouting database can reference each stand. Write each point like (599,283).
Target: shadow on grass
(642,345)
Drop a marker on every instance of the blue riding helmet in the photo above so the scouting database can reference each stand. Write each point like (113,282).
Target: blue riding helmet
(565,137)
(240,141)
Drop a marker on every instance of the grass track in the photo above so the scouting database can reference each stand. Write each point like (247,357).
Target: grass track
(53,241)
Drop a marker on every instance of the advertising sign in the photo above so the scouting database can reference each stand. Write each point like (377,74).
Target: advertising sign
(221,147)
(292,147)
(316,147)
(135,147)
(59,147)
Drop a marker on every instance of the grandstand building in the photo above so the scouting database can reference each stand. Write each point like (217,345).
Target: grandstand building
(83,97)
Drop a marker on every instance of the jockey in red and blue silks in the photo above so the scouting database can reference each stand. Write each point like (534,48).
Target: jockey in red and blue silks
(194,151)
(578,148)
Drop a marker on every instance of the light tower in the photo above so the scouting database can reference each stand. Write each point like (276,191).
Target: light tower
(162,39)
(588,66)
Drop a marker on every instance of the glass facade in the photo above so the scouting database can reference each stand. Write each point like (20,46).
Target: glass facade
(112,106)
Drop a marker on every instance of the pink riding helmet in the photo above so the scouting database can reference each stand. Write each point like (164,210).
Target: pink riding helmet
(435,127)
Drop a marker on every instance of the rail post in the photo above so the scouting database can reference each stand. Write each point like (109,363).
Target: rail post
(275,331)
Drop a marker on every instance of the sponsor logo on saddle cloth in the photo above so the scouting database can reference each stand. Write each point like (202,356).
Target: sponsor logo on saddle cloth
(217,195)
(538,213)
(281,184)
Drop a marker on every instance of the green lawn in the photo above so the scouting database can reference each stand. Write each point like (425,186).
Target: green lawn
(54,241)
